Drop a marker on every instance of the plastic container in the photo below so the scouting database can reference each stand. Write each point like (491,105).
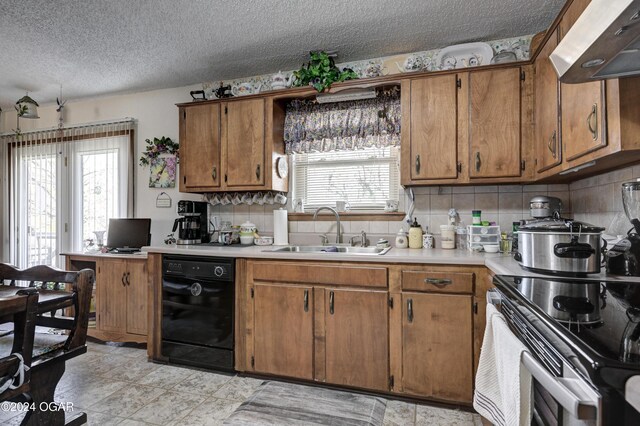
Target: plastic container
(461,237)
(447,237)
(479,236)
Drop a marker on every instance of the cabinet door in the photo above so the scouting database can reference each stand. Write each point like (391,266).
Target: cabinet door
(244,142)
(137,291)
(434,120)
(494,123)
(200,147)
(283,323)
(437,355)
(583,106)
(547,96)
(357,338)
(111,289)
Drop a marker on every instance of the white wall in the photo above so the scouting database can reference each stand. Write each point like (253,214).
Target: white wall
(156,115)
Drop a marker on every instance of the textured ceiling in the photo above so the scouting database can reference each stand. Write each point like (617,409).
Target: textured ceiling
(114,46)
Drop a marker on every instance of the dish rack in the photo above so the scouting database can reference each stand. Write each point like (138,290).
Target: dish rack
(479,236)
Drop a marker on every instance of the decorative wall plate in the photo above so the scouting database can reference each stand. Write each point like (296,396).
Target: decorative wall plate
(464,56)
(282,167)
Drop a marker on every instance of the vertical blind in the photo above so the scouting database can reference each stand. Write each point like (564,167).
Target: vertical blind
(61,185)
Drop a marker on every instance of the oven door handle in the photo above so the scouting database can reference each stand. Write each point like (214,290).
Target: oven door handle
(571,394)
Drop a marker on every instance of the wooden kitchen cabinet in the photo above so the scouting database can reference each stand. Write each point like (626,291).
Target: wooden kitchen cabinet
(243,134)
(437,346)
(121,299)
(548,140)
(356,336)
(120,303)
(429,137)
(494,123)
(200,147)
(232,145)
(283,343)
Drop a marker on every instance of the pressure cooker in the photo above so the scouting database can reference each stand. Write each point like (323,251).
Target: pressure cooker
(560,246)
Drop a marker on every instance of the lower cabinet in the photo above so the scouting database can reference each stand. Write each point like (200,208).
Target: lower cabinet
(121,299)
(410,331)
(437,346)
(356,336)
(283,342)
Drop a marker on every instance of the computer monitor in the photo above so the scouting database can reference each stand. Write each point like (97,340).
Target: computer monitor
(128,234)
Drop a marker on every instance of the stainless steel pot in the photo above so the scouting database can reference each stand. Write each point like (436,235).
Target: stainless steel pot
(560,246)
(566,301)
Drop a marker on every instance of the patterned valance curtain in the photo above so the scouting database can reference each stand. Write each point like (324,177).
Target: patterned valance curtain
(343,126)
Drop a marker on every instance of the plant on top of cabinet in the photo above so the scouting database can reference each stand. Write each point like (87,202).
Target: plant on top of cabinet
(321,71)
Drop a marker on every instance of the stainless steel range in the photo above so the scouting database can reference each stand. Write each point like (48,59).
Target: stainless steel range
(584,340)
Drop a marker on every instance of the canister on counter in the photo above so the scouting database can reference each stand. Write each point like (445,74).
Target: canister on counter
(401,239)
(415,235)
(448,236)
(427,240)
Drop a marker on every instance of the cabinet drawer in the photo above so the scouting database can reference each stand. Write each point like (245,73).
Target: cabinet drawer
(337,274)
(438,282)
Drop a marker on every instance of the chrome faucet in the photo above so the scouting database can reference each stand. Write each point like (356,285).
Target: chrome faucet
(363,239)
(332,210)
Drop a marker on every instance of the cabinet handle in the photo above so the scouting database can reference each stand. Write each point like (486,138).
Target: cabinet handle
(418,163)
(331,302)
(122,279)
(410,310)
(478,161)
(214,173)
(258,172)
(593,114)
(128,282)
(438,282)
(306,300)
(552,144)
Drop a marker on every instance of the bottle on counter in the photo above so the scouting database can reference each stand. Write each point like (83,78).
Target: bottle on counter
(461,237)
(476,216)
(401,239)
(415,235)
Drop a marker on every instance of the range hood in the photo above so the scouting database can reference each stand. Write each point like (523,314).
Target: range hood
(603,43)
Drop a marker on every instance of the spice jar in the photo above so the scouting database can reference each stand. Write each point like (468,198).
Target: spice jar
(476,216)
(415,235)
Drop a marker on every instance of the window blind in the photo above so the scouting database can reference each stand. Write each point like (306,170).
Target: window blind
(365,178)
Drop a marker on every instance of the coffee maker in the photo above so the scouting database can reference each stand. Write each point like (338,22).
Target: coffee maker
(193,223)
(624,257)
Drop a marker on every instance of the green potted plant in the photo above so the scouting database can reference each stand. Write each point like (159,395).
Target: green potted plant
(321,72)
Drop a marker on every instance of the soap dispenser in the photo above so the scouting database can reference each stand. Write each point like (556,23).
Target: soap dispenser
(415,235)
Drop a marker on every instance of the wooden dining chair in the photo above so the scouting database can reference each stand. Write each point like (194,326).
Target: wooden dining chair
(63,303)
(15,366)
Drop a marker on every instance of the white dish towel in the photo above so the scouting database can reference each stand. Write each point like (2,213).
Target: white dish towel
(503,385)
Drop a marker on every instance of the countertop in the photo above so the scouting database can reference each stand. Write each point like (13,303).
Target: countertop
(499,264)
(138,255)
(395,255)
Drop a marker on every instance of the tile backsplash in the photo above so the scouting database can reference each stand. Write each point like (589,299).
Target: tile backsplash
(598,199)
(502,204)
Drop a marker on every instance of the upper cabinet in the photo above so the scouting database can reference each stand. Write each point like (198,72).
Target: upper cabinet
(466,127)
(583,105)
(585,128)
(430,129)
(547,97)
(232,146)
(494,123)
(200,147)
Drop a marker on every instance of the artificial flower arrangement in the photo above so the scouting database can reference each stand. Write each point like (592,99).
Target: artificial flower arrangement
(157,147)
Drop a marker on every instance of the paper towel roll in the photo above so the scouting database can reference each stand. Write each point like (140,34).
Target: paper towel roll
(280,228)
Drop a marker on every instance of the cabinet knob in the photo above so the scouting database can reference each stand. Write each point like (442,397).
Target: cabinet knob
(410,310)
(593,118)
(478,161)
(418,164)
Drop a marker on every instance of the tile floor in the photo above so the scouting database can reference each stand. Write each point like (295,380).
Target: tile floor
(116,385)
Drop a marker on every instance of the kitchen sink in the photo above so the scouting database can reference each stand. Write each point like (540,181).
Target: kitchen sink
(332,249)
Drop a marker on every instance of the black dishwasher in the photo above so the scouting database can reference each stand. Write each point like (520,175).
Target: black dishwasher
(198,300)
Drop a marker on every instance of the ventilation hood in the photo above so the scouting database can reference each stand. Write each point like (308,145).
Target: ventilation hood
(603,43)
